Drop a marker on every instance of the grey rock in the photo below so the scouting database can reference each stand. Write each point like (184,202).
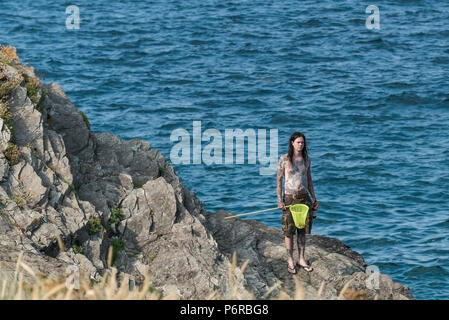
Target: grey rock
(66,119)
(5,135)
(80,261)
(160,197)
(27,120)
(27,184)
(94,252)
(4,168)
(41,264)
(45,235)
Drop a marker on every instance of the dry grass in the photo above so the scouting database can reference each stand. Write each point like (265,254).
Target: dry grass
(351,294)
(109,288)
(43,288)
(8,54)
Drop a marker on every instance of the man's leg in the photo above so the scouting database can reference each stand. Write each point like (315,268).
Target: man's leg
(301,242)
(289,246)
(288,229)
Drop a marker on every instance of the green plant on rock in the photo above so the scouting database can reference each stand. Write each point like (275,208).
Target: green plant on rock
(152,257)
(12,154)
(93,226)
(35,91)
(40,104)
(161,170)
(77,249)
(115,218)
(86,121)
(32,85)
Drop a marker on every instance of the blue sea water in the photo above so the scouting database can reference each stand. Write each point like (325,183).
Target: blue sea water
(374,104)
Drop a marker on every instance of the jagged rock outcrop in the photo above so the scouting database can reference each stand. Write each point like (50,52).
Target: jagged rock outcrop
(94,190)
(334,263)
(68,176)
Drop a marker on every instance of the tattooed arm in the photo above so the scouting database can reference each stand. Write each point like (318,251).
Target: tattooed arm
(279,175)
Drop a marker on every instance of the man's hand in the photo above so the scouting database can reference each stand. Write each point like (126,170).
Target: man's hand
(281,205)
(316,205)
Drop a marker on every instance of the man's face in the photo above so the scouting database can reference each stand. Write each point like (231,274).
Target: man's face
(298,144)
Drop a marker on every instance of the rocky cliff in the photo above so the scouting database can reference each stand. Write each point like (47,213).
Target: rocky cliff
(94,191)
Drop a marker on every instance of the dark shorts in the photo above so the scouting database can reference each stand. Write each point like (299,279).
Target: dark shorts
(288,225)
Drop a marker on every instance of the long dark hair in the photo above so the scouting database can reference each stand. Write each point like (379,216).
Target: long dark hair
(305,156)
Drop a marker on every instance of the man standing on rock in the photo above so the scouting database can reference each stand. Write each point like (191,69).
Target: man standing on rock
(294,166)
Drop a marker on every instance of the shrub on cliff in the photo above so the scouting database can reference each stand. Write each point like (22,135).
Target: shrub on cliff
(93,226)
(114,220)
(12,154)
